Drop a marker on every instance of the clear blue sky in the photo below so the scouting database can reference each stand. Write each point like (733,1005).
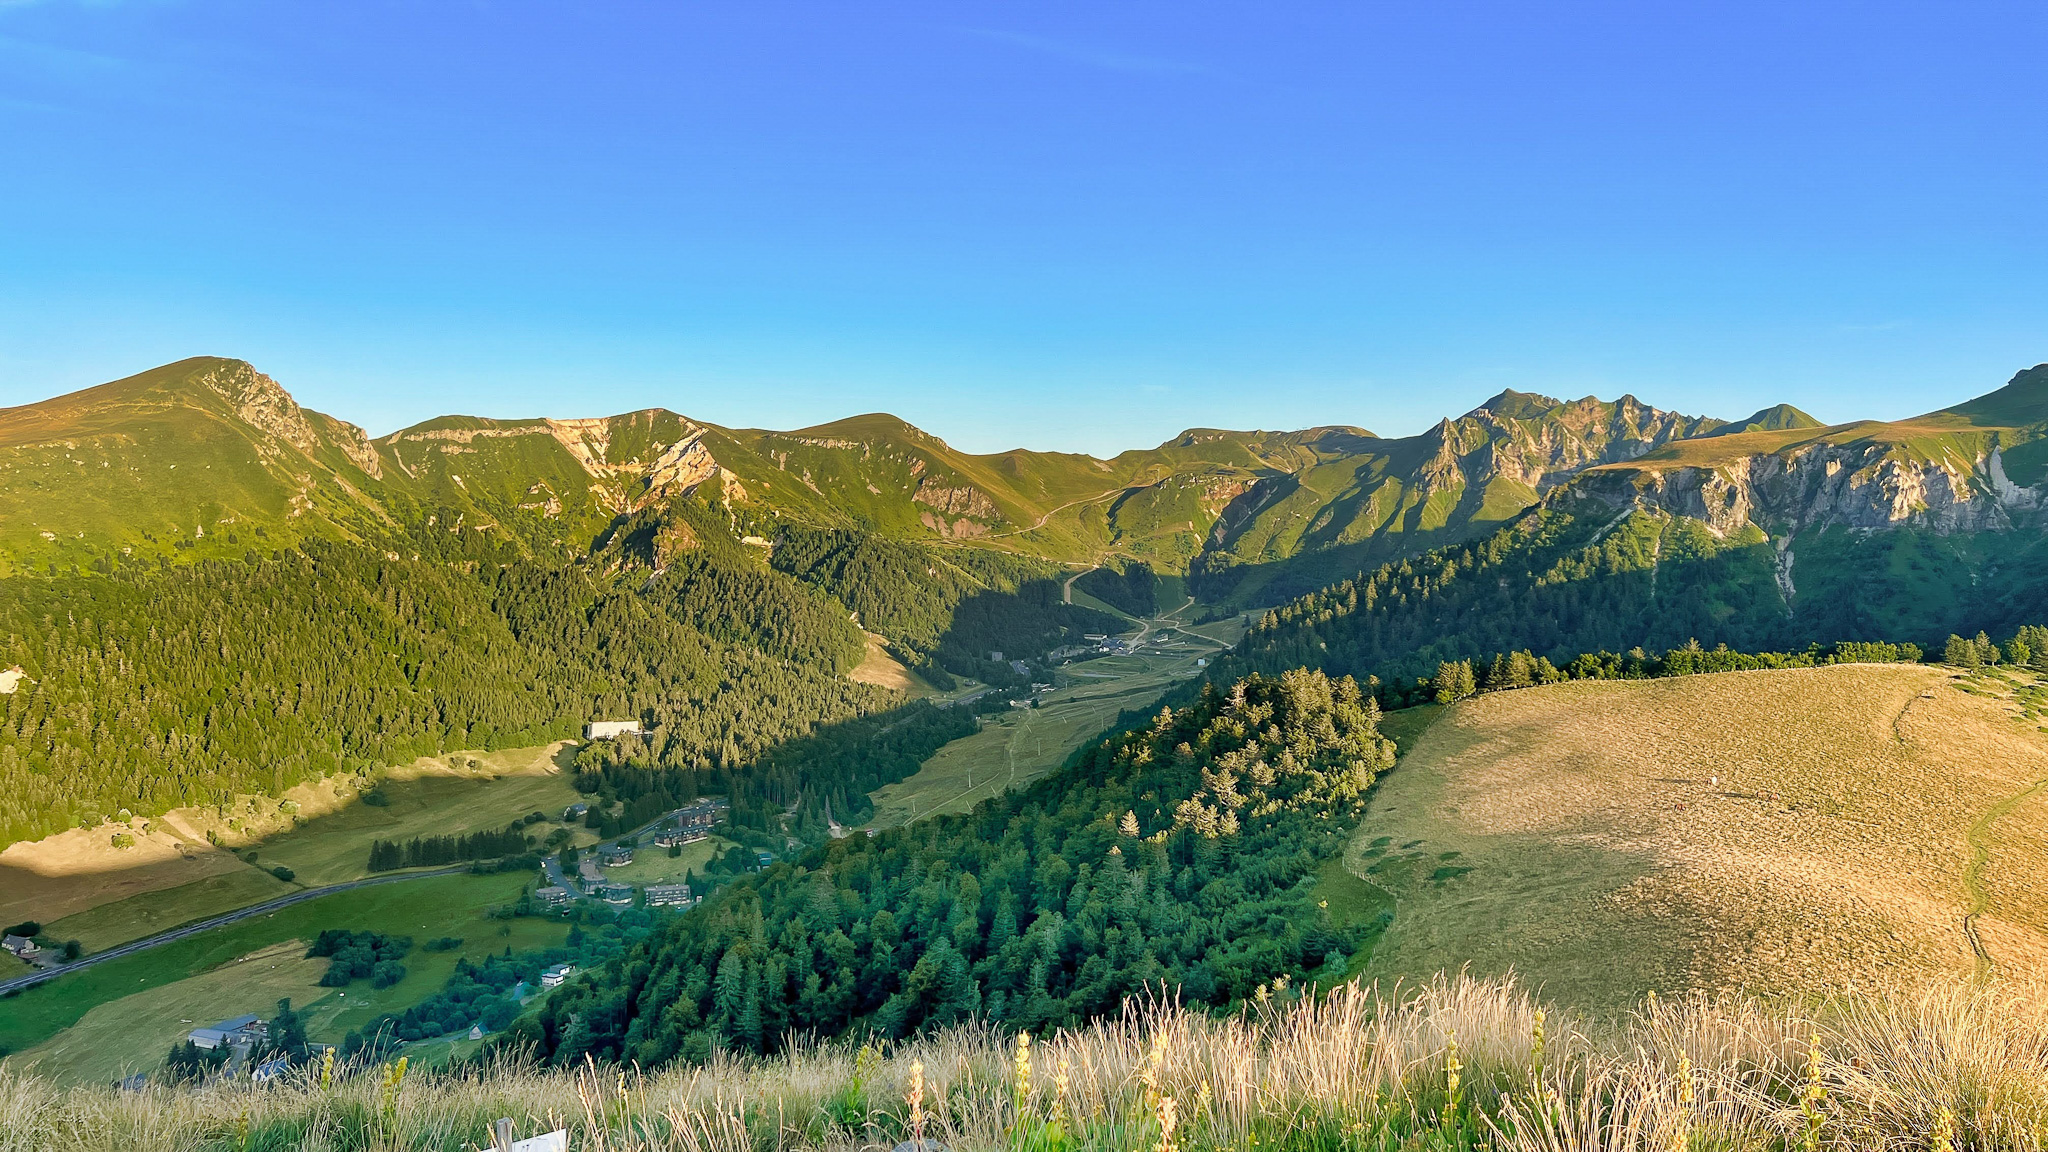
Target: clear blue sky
(1078,226)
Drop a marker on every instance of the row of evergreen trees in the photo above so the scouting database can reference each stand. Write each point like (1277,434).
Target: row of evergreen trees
(427,851)
(2027,649)
(1457,679)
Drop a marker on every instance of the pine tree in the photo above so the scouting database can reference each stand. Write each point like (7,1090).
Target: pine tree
(1960,653)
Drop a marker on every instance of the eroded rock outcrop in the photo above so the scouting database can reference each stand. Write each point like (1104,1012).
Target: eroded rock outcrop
(1862,484)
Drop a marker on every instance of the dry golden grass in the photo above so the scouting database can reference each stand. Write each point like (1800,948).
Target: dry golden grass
(1575,834)
(882,670)
(1452,1064)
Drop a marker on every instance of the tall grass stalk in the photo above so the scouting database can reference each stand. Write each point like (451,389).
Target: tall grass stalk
(1456,1063)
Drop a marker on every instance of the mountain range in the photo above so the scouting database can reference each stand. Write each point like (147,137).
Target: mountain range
(209,457)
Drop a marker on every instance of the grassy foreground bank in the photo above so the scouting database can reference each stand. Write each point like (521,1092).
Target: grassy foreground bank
(1458,1064)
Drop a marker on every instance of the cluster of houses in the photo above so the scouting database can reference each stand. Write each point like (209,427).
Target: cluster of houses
(686,825)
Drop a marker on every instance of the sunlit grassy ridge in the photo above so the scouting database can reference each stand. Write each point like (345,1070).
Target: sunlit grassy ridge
(1783,831)
(1454,1064)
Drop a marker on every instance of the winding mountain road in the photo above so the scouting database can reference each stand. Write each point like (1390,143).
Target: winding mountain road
(196,927)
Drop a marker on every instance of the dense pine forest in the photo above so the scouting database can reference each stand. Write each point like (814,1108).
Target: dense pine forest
(1180,855)
(798,788)
(149,688)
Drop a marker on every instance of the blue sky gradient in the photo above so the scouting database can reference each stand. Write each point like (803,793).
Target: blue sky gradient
(1074,226)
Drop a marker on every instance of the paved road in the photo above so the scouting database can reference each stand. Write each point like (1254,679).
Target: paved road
(195,928)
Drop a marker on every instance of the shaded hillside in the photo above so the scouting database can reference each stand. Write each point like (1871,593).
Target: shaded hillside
(1576,577)
(1786,832)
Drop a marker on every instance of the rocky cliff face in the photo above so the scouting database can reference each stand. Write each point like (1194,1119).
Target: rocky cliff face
(1540,442)
(1867,484)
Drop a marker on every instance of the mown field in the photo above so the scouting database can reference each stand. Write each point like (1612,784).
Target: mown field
(487,792)
(63,1018)
(1789,832)
(1016,747)
(134,1033)
(152,912)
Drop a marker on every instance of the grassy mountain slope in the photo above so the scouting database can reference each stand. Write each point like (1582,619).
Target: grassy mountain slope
(201,458)
(1576,834)
(1775,418)
(1458,481)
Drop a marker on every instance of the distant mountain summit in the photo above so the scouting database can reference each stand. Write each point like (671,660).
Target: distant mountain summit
(1776,418)
(1462,479)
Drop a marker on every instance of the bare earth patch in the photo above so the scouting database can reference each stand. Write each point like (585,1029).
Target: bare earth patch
(1577,834)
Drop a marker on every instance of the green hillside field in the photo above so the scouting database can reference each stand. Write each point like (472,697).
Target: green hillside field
(38,1022)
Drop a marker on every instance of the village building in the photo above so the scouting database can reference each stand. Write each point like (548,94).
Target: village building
(553,977)
(668,895)
(554,895)
(614,855)
(612,729)
(574,812)
(21,946)
(233,1031)
(620,894)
